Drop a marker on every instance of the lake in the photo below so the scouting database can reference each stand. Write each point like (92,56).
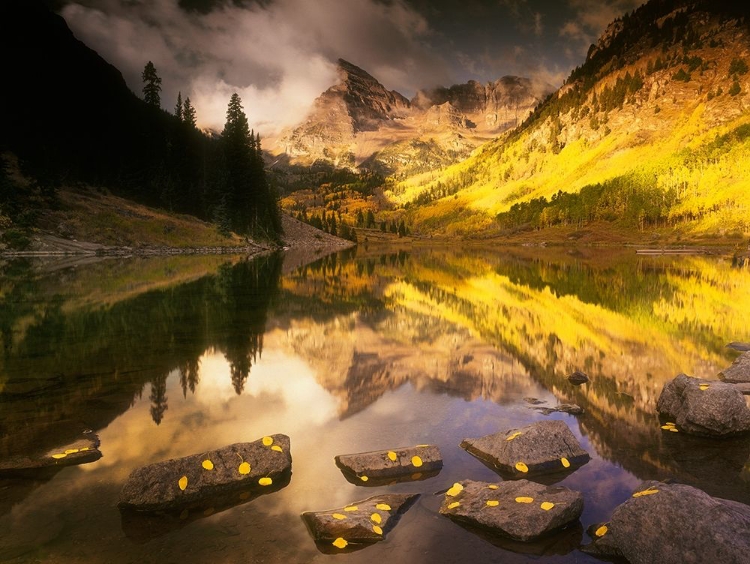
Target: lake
(362,350)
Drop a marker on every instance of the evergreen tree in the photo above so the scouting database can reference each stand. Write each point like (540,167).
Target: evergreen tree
(188,113)
(151,85)
(178,109)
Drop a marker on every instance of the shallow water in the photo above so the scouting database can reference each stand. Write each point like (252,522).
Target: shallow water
(359,351)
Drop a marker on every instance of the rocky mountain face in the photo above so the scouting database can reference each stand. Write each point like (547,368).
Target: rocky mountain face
(357,119)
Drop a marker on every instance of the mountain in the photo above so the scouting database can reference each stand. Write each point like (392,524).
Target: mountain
(651,134)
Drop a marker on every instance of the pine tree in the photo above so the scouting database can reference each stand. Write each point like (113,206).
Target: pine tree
(178,109)
(188,113)
(151,85)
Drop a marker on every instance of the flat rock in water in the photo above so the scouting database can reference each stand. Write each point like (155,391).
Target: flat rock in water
(741,347)
(577,378)
(743,388)
(519,509)
(739,372)
(704,408)
(83,450)
(540,448)
(381,466)
(358,524)
(674,524)
(569,408)
(192,480)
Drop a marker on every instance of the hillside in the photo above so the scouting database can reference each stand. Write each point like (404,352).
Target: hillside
(651,133)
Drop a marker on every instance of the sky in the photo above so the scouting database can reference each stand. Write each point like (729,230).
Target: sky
(279,55)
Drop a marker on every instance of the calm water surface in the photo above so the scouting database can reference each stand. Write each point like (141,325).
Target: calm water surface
(359,351)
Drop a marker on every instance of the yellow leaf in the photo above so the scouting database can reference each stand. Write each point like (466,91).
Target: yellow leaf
(524,500)
(667,427)
(514,435)
(601,531)
(674,430)
(565,462)
(377,529)
(338,516)
(364,478)
(492,486)
(376,518)
(71,451)
(267,441)
(670,423)
(392,456)
(416,476)
(351,508)
(703,387)
(422,446)
(84,449)
(207,464)
(493,503)
(58,456)
(383,507)
(265,481)
(454,505)
(183,483)
(649,491)
(244,468)
(547,505)
(277,448)
(340,543)
(521,467)
(416,461)
(455,490)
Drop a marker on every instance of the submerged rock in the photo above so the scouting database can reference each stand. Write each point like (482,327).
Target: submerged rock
(358,524)
(673,524)
(383,466)
(569,408)
(82,450)
(519,509)
(192,480)
(741,347)
(577,378)
(704,408)
(541,448)
(739,371)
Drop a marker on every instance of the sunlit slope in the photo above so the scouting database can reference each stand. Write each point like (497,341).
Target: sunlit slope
(656,116)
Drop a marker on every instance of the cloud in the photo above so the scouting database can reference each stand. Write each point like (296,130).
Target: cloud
(277,55)
(591,19)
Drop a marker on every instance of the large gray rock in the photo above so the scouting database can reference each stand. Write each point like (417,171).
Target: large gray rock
(519,509)
(183,482)
(358,524)
(739,371)
(704,408)
(82,450)
(540,448)
(384,466)
(676,524)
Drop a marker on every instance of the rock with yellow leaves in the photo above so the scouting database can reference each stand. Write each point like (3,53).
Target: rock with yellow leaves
(358,524)
(673,524)
(263,465)
(383,467)
(704,407)
(80,450)
(739,371)
(544,447)
(518,509)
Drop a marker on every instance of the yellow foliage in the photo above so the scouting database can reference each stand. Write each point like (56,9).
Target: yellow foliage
(182,483)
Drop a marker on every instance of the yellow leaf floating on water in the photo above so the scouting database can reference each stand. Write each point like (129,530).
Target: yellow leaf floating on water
(182,483)
(454,490)
(267,441)
(524,500)
(377,530)
(392,456)
(454,505)
(338,516)
(416,461)
(71,451)
(547,505)
(59,456)
(493,503)
(351,508)
(340,543)
(649,491)
(265,481)
(364,478)
(514,435)
(277,448)
(383,507)
(521,467)
(244,468)
(565,462)
(207,464)
(601,531)
(376,518)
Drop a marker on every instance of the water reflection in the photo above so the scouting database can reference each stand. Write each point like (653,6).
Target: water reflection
(356,352)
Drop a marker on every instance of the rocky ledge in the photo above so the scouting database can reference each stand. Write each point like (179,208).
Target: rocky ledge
(739,371)
(82,450)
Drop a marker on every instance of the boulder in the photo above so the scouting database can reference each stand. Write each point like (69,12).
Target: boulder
(358,524)
(674,524)
(741,347)
(541,448)
(385,466)
(577,378)
(82,450)
(196,479)
(519,509)
(704,408)
(739,371)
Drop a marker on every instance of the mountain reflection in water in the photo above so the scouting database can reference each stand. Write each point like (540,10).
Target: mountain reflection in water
(357,351)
